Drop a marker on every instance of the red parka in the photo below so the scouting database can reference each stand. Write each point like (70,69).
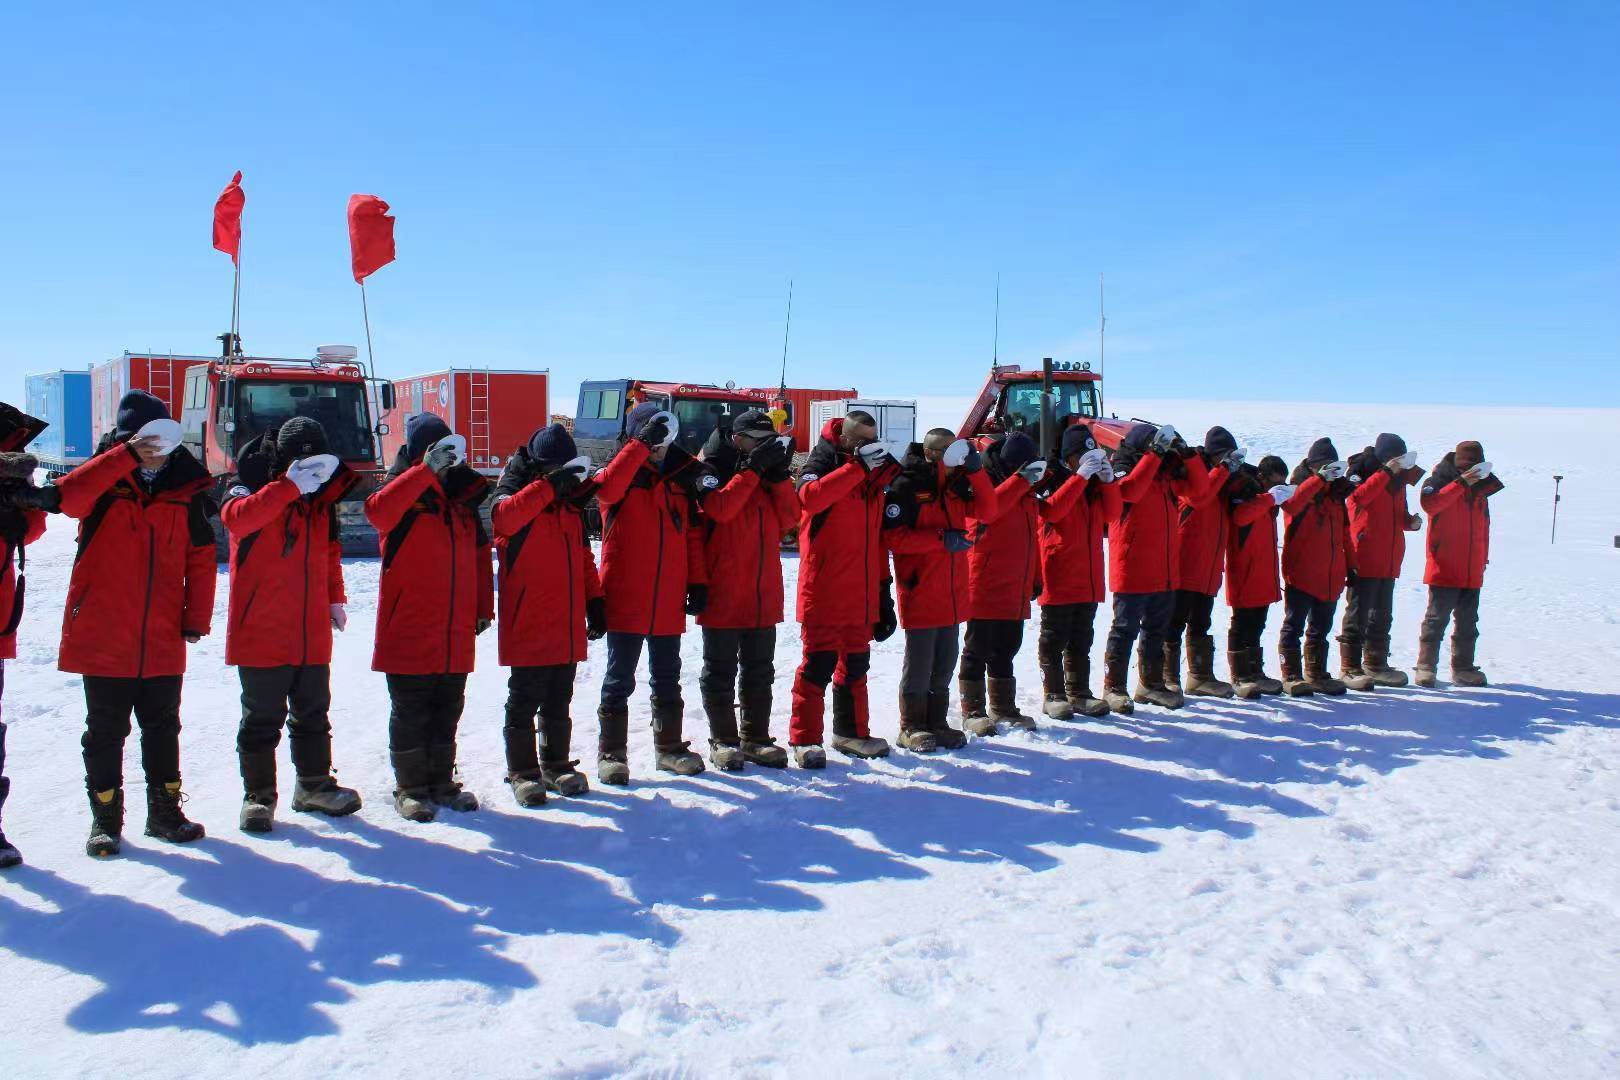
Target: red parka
(1144,544)
(144,575)
(1072,522)
(286,572)
(1378,517)
(651,545)
(1459,527)
(548,571)
(1005,562)
(1317,552)
(744,523)
(1201,528)
(438,579)
(28,526)
(842,560)
(1251,553)
(932,583)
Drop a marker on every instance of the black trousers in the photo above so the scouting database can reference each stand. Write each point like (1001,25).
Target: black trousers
(1305,614)
(1144,614)
(738,661)
(297,697)
(1191,615)
(991,645)
(548,691)
(424,710)
(5,785)
(1248,623)
(1067,631)
(1369,611)
(1457,606)
(109,701)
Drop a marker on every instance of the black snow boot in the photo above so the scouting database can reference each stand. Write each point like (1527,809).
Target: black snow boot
(1150,685)
(1293,673)
(914,733)
(1077,688)
(562,778)
(757,744)
(1351,672)
(1376,664)
(1245,676)
(164,817)
(106,822)
(725,744)
(1055,699)
(612,749)
(1201,680)
(674,755)
(9,855)
(939,722)
(845,735)
(975,719)
(258,813)
(1116,679)
(1316,670)
(1004,705)
(258,768)
(1257,661)
(413,792)
(446,789)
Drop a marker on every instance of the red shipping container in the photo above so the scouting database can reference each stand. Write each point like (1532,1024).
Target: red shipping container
(798,408)
(495,410)
(160,375)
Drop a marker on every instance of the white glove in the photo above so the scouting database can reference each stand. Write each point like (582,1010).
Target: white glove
(1093,462)
(1033,473)
(1281,493)
(1106,473)
(1478,472)
(340,617)
(304,477)
(1164,437)
(1333,470)
(1404,462)
(955,454)
(1236,458)
(872,456)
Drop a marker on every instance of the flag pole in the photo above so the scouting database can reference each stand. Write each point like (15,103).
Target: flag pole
(365,314)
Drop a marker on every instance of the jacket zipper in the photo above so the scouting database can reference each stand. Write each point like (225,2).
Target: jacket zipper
(308,525)
(146,611)
(759,570)
(658,574)
(79,603)
(450,621)
(1029,550)
(568,565)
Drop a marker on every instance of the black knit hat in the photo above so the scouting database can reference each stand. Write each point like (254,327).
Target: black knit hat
(1016,451)
(300,437)
(1389,447)
(1077,439)
(136,409)
(422,431)
(1321,452)
(552,445)
(1217,440)
(1139,437)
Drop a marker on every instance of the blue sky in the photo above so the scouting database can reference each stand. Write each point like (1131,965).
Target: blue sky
(1368,203)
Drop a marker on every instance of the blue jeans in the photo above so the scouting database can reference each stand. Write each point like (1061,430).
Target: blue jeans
(663,663)
(1144,614)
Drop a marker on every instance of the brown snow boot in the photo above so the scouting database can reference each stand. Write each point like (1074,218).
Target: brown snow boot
(673,754)
(1428,659)
(1316,670)
(1245,683)
(1116,677)
(612,745)
(939,722)
(1004,705)
(914,733)
(1293,675)
(1171,675)
(1267,684)
(1463,671)
(1055,704)
(1376,664)
(1201,680)
(975,719)
(1077,685)
(1150,685)
(1350,670)
(757,745)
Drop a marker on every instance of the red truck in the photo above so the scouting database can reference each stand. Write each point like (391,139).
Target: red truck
(1010,400)
(495,410)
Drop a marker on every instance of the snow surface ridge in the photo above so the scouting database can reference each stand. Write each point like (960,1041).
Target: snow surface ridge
(1398,884)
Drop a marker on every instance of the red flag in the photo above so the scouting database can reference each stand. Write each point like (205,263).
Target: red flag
(371,235)
(228,219)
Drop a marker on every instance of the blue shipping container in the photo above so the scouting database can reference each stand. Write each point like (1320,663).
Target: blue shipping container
(61,399)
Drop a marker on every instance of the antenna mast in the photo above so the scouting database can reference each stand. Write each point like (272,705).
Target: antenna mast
(995,345)
(787,328)
(1102,333)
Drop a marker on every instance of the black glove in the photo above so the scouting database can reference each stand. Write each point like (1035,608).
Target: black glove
(564,481)
(1036,594)
(956,540)
(481,625)
(769,460)
(697,598)
(29,497)
(974,461)
(1350,579)
(654,432)
(596,618)
(884,628)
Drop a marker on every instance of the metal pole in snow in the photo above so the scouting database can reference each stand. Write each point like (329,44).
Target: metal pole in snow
(1557,498)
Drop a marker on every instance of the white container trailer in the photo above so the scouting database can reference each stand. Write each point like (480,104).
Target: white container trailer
(896,418)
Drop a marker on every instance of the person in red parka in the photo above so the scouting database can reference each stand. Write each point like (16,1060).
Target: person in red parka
(654,575)
(1456,498)
(436,593)
(1201,527)
(743,522)
(551,603)
(1004,574)
(940,486)
(1254,496)
(142,588)
(286,598)
(1084,498)
(845,597)
(1156,469)
(21,523)
(1318,561)
(1379,522)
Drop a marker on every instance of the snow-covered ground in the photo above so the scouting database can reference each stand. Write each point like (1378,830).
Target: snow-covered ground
(1408,883)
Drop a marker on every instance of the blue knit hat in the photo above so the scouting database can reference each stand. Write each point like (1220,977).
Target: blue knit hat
(1139,437)
(1389,447)
(422,430)
(1017,450)
(552,445)
(640,417)
(1077,439)
(1217,440)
